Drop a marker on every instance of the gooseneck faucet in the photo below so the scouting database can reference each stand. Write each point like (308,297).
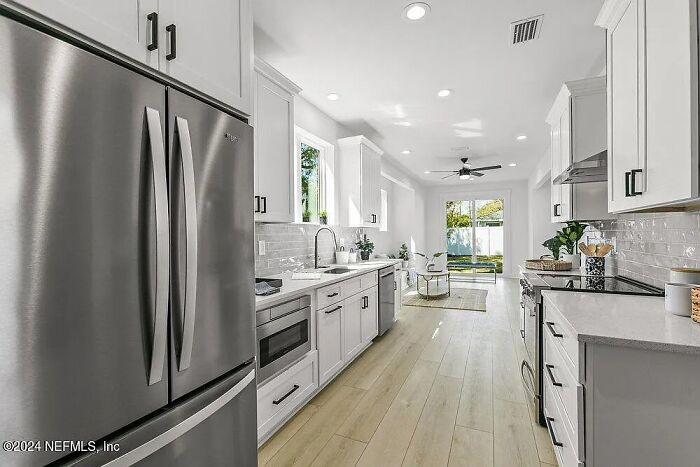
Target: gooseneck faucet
(335,242)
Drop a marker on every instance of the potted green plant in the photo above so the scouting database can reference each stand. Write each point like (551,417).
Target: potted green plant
(569,237)
(553,245)
(365,246)
(403,254)
(323,217)
(306,215)
(430,262)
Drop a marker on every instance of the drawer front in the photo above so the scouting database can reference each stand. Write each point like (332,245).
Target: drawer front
(280,396)
(351,286)
(369,280)
(563,383)
(558,433)
(329,295)
(563,336)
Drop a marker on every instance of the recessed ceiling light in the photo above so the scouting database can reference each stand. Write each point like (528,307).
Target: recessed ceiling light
(406,151)
(512,164)
(427,172)
(416,11)
(521,138)
(444,92)
(333,96)
(403,123)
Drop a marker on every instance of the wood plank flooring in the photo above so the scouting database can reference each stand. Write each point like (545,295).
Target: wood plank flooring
(441,388)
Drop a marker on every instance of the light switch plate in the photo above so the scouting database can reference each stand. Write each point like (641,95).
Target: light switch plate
(261,248)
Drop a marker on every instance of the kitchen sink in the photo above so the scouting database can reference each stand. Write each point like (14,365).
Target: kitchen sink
(337,271)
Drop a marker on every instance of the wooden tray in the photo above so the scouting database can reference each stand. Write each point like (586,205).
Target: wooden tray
(548,265)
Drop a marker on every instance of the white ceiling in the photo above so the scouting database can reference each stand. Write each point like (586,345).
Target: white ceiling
(388,70)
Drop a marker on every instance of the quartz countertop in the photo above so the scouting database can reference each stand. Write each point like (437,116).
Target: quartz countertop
(625,320)
(295,287)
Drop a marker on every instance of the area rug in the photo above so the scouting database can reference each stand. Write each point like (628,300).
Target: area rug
(459,299)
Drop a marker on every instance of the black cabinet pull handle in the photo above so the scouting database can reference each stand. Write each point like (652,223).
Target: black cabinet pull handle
(334,309)
(633,178)
(628,176)
(153,19)
(279,401)
(550,325)
(557,208)
(171,29)
(257,203)
(555,441)
(522,333)
(551,375)
(395,285)
(334,294)
(264,204)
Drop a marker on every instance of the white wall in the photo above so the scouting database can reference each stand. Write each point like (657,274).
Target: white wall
(515,196)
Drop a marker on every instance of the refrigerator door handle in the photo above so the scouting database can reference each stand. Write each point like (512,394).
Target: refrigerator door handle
(183,427)
(160,188)
(183,133)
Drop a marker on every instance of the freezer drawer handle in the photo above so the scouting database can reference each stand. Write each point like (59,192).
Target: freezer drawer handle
(160,324)
(172,30)
(550,325)
(555,442)
(183,427)
(281,399)
(183,133)
(551,375)
(153,19)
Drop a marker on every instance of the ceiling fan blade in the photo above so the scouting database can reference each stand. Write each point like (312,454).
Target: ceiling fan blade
(476,174)
(452,175)
(444,171)
(490,167)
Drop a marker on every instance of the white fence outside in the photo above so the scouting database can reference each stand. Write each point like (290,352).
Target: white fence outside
(489,241)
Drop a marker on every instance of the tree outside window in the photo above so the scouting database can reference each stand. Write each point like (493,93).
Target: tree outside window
(310,183)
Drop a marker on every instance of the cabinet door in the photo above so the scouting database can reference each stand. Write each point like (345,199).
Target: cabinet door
(120,25)
(274,145)
(564,162)
(213,51)
(555,145)
(670,30)
(367,182)
(370,327)
(352,326)
(329,328)
(623,105)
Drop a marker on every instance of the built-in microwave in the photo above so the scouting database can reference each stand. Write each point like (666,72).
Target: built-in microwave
(283,336)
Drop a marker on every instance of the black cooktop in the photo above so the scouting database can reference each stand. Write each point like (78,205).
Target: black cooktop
(606,284)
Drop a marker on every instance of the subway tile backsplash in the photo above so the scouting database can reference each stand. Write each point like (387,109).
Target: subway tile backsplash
(649,244)
(290,247)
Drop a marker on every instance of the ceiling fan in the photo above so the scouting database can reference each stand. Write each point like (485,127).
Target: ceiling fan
(466,172)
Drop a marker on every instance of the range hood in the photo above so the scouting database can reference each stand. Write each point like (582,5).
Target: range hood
(591,169)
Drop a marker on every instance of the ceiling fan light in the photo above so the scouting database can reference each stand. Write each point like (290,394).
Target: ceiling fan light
(463,177)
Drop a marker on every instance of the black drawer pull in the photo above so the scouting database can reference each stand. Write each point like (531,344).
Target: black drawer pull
(153,19)
(334,309)
(555,442)
(633,178)
(628,176)
(550,325)
(557,210)
(334,294)
(264,204)
(279,401)
(257,203)
(551,375)
(172,30)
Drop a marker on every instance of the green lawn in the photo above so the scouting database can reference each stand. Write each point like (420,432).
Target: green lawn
(487,259)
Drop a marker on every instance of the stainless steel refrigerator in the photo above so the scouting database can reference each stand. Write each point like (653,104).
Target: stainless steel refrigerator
(126,272)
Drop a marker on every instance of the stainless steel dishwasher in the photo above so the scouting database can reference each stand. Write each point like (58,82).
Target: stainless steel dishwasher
(387,286)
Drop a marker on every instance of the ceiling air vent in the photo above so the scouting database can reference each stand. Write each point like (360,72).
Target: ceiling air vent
(525,30)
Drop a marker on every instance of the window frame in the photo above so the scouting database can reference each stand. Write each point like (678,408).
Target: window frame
(326,177)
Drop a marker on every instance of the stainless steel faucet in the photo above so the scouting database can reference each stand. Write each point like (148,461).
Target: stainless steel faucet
(335,242)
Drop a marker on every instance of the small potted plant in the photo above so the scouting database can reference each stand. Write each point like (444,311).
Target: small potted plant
(306,215)
(403,254)
(365,246)
(553,245)
(323,217)
(569,237)
(430,264)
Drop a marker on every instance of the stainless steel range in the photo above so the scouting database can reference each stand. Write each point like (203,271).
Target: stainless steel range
(531,321)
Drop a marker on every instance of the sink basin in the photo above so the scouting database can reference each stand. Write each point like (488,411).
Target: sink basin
(337,271)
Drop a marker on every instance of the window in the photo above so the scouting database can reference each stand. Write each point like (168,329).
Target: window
(384,212)
(314,179)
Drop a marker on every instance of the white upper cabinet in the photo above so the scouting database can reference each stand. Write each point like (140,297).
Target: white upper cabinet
(652,103)
(209,47)
(360,199)
(273,119)
(124,26)
(206,45)
(578,131)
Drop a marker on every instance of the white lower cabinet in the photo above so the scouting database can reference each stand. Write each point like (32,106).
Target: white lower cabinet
(352,325)
(370,324)
(329,331)
(282,395)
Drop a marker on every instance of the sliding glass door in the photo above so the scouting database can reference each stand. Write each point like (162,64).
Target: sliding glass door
(474,234)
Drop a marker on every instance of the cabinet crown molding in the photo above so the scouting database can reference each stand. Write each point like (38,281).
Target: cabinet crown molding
(360,139)
(610,13)
(271,73)
(579,87)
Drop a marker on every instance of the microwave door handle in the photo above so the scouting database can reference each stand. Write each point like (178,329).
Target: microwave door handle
(183,133)
(160,188)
